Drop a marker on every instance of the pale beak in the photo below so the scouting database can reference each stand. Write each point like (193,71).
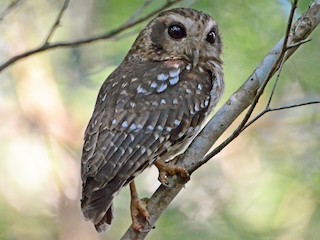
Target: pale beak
(195,59)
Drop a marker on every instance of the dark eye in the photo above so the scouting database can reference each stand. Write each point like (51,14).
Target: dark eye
(211,37)
(177,31)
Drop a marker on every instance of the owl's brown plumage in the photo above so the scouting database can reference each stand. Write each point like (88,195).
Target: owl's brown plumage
(152,106)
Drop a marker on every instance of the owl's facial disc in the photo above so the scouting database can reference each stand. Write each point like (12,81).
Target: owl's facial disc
(183,34)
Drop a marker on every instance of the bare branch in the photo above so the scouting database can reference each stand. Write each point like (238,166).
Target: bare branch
(294,106)
(57,22)
(237,103)
(108,35)
(9,8)
(267,110)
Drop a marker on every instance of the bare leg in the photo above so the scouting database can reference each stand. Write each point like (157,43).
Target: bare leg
(139,212)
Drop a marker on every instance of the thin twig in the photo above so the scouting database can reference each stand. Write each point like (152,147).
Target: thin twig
(57,22)
(8,9)
(267,110)
(274,85)
(297,44)
(77,43)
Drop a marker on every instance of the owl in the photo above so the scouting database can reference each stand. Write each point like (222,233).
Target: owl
(150,108)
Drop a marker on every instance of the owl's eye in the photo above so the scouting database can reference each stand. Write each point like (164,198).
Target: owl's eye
(176,31)
(211,37)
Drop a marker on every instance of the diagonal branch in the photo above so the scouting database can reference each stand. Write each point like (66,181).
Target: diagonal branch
(237,103)
(108,35)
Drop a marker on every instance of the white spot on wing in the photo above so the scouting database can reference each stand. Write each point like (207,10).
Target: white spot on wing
(124,124)
(163,101)
(162,87)
(133,127)
(154,85)
(199,86)
(121,149)
(162,77)
(150,127)
(132,104)
(159,127)
(143,149)
(177,122)
(149,152)
(174,73)
(188,91)
(180,134)
(190,129)
(196,107)
(123,92)
(174,81)
(175,101)
(131,137)
(114,122)
(141,89)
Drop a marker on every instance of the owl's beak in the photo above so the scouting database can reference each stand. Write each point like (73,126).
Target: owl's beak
(195,58)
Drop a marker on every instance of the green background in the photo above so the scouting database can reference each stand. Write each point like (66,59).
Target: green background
(264,185)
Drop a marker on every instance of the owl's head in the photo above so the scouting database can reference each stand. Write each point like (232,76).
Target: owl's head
(180,33)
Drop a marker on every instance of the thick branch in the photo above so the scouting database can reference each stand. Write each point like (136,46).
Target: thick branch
(237,103)
(48,46)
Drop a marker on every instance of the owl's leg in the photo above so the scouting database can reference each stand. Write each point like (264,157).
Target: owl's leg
(169,168)
(139,212)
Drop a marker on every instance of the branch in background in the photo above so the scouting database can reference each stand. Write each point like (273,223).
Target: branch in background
(267,110)
(57,22)
(9,8)
(48,46)
(195,156)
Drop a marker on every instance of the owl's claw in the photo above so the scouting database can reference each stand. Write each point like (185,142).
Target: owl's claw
(169,168)
(139,212)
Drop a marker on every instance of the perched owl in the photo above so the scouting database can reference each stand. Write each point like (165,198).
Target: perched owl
(151,107)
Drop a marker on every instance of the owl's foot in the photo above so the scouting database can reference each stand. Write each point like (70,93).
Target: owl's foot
(169,168)
(139,212)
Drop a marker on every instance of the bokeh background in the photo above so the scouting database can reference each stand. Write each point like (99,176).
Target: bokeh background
(264,185)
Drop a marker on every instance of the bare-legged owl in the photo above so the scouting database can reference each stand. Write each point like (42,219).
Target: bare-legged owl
(151,107)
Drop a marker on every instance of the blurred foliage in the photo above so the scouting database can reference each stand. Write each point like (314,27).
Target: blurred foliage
(265,185)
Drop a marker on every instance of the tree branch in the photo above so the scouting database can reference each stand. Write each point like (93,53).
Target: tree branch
(49,46)
(8,9)
(247,94)
(57,22)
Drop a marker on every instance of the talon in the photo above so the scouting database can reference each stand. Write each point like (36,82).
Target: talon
(139,212)
(166,169)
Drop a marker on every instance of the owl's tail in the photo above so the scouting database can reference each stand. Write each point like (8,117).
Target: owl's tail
(96,205)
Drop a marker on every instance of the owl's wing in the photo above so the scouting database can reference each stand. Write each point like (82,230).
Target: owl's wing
(139,117)
(144,111)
